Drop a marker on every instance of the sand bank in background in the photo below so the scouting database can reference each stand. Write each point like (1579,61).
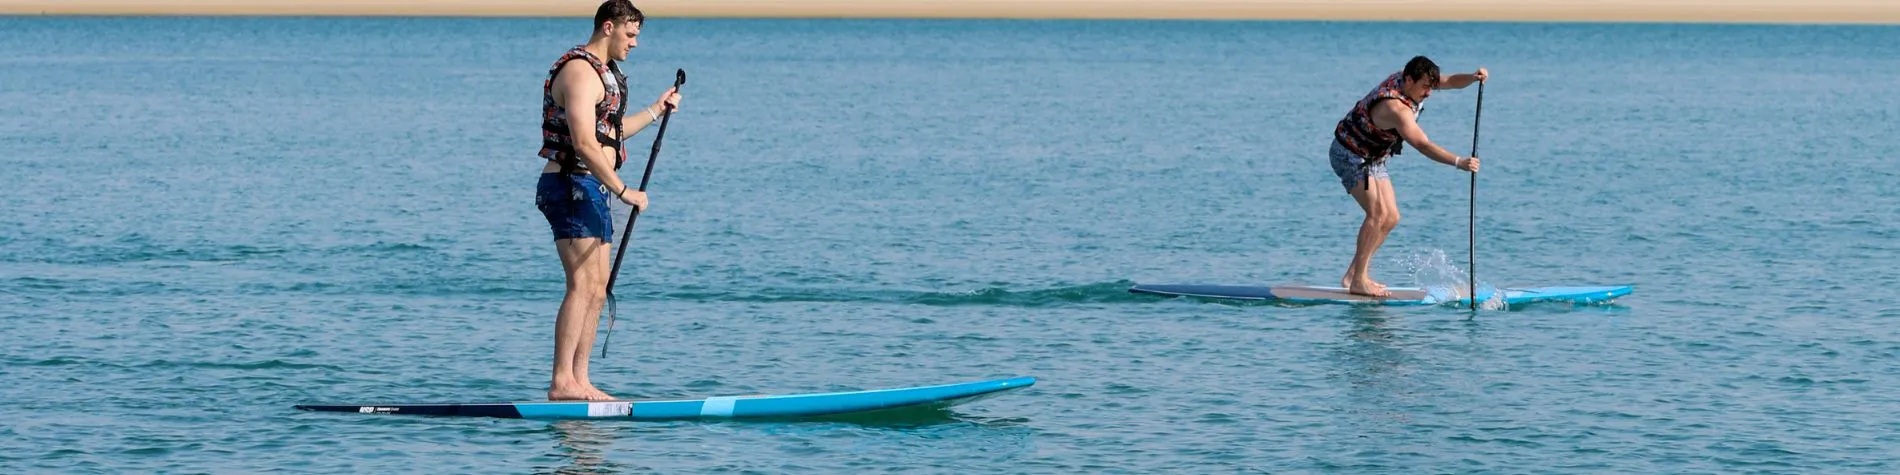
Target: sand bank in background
(1750,11)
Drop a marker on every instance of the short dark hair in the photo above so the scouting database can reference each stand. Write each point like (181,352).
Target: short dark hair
(617,11)
(1421,67)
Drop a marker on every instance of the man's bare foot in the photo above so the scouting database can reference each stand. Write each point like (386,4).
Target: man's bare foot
(1368,288)
(579,395)
(576,392)
(597,395)
(569,394)
(594,393)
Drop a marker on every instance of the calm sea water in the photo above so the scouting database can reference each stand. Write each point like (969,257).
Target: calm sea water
(206,221)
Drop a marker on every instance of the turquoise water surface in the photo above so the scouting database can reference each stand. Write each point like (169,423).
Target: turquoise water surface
(207,221)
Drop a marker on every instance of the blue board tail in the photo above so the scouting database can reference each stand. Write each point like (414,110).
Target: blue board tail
(1306,294)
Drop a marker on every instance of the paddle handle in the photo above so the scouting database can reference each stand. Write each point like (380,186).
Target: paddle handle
(1478,117)
(666,112)
(666,115)
(613,312)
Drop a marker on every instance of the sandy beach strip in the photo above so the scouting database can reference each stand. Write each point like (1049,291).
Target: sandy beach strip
(1738,11)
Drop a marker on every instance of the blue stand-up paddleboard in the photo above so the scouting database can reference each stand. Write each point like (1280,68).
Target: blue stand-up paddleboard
(1306,294)
(723,407)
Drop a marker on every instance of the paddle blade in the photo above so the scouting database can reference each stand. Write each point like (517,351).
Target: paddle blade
(613,314)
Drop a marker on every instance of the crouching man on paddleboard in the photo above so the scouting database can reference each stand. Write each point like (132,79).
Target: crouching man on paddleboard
(1374,130)
(583,121)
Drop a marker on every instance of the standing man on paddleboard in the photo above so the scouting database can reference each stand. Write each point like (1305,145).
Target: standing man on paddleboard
(583,120)
(1374,130)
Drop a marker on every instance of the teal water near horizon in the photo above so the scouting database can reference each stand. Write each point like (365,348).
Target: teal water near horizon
(209,220)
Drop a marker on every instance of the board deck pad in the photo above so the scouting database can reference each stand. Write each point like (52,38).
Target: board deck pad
(718,407)
(1308,294)
(1290,292)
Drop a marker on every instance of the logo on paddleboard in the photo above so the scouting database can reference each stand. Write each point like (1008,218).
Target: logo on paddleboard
(609,409)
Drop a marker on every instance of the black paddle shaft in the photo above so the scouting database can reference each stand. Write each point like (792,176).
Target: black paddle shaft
(666,115)
(1477,117)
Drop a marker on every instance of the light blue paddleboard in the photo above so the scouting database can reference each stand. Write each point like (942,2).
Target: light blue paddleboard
(1307,294)
(722,407)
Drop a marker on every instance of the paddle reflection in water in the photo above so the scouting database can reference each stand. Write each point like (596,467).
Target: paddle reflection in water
(584,446)
(1379,376)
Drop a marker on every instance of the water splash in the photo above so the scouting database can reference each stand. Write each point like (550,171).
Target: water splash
(1435,272)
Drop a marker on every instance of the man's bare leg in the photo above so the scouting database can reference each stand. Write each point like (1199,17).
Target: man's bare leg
(602,267)
(586,290)
(1382,215)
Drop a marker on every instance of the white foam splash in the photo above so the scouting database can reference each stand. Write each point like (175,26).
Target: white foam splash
(1434,272)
